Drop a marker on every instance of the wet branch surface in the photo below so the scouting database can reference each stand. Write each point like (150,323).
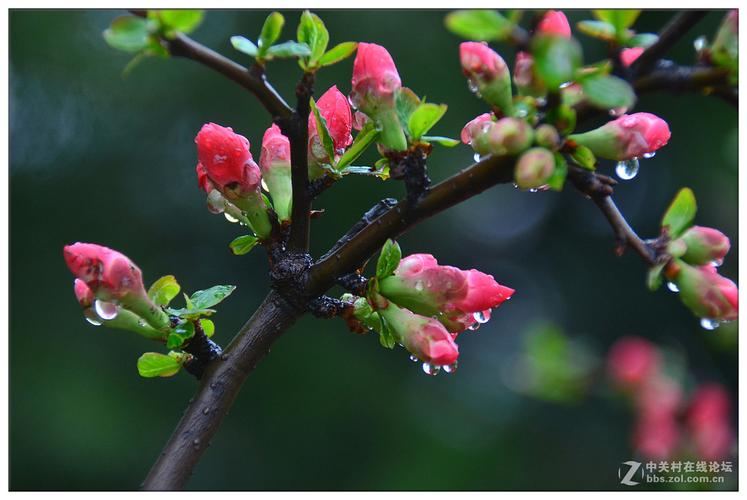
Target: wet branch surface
(223,378)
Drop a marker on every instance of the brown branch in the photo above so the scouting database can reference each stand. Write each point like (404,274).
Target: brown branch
(681,78)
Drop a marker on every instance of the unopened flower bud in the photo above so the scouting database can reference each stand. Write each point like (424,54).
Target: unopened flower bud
(627,137)
(476,127)
(510,136)
(554,22)
(534,168)
(628,56)
(275,162)
(488,74)
(83,293)
(708,419)
(524,78)
(547,136)
(704,245)
(335,109)
(706,293)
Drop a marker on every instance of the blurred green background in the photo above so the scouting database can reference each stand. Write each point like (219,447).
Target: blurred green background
(101,158)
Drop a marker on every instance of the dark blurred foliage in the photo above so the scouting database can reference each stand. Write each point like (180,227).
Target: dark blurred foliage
(97,157)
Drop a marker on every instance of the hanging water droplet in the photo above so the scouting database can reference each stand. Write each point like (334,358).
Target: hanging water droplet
(452,368)
(414,358)
(215,202)
(540,101)
(615,112)
(264,186)
(230,218)
(430,369)
(565,84)
(516,186)
(473,327)
(627,169)
(419,286)
(717,262)
(476,157)
(649,155)
(709,324)
(91,317)
(533,190)
(700,43)
(521,113)
(672,287)
(472,85)
(105,310)
(482,316)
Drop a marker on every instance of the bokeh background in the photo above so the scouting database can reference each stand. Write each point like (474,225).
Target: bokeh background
(98,157)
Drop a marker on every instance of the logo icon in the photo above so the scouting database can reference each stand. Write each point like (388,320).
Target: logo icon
(633,467)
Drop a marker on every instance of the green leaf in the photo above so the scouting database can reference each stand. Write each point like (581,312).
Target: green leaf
(681,213)
(386,336)
(380,172)
(208,327)
(608,92)
(482,25)
(190,313)
(312,32)
(406,102)
(163,290)
(154,364)
(322,130)
(244,45)
(365,138)
(584,157)
(243,244)
(557,180)
(424,118)
(597,29)
(442,141)
(203,299)
(127,33)
(653,277)
(556,59)
(183,332)
(389,259)
(271,30)
(621,19)
(645,40)
(183,20)
(338,53)
(288,49)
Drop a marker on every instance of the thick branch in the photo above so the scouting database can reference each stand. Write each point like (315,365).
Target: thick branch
(219,387)
(680,78)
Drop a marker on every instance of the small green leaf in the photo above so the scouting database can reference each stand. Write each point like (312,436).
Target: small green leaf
(621,19)
(406,102)
(322,130)
(154,364)
(557,180)
(189,313)
(243,244)
(127,33)
(183,20)
(271,30)
(681,213)
(312,32)
(338,53)
(424,118)
(288,49)
(208,327)
(481,25)
(163,290)
(183,332)
(584,157)
(653,277)
(597,29)
(365,138)
(386,336)
(203,299)
(644,40)
(389,259)
(441,141)
(244,45)
(608,92)
(556,59)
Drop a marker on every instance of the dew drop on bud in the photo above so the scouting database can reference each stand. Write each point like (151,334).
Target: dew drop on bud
(231,218)
(91,317)
(414,358)
(649,155)
(476,157)
(473,327)
(482,316)
(419,286)
(565,84)
(627,169)
(709,324)
(672,287)
(700,43)
(264,186)
(105,310)
(533,190)
(472,86)
(430,369)
(452,368)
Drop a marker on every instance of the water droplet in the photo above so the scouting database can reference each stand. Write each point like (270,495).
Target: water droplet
(230,218)
(516,186)
(533,190)
(709,324)
(472,85)
(452,368)
(91,317)
(482,316)
(627,169)
(615,112)
(649,155)
(473,326)
(540,101)
(264,186)
(105,310)
(565,84)
(700,43)
(430,369)
(716,263)
(522,113)
(477,157)
(414,358)
(672,287)
(419,286)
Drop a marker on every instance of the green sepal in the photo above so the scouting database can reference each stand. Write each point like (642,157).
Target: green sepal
(680,213)
(406,102)
(389,259)
(386,335)
(584,157)
(654,278)
(557,180)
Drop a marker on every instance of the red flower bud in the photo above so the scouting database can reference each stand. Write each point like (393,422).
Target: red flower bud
(424,337)
(554,22)
(628,56)
(534,168)
(375,78)
(202,179)
(83,293)
(487,73)
(632,360)
(226,158)
(334,108)
(476,127)
(627,137)
(706,293)
(705,245)
(275,162)
(106,272)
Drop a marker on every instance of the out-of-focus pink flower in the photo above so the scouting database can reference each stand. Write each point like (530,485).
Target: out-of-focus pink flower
(705,245)
(554,22)
(656,437)
(476,127)
(659,396)
(706,293)
(425,287)
(107,273)
(226,159)
(375,77)
(83,293)
(632,360)
(709,422)
(628,56)
(334,108)
(629,136)
(275,162)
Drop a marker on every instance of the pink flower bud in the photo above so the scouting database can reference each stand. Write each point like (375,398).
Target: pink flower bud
(226,158)
(424,337)
(705,245)
(627,137)
(375,78)
(709,422)
(534,168)
(707,294)
(547,136)
(632,360)
(334,108)
(476,129)
(628,56)
(275,163)
(554,22)
(425,287)
(487,73)
(83,293)
(509,136)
